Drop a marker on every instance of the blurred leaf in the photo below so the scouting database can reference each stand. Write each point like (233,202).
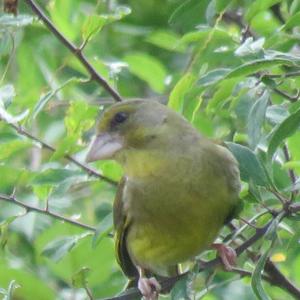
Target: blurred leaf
(257,6)
(250,47)
(167,40)
(250,167)
(282,131)
(256,280)
(256,119)
(57,249)
(179,291)
(147,68)
(79,279)
(12,147)
(292,22)
(54,176)
(213,77)
(254,66)
(66,147)
(92,26)
(103,229)
(276,114)
(8,20)
(4,229)
(188,14)
(45,98)
(7,93)
(10,291)
(9,118)
(80,117)
(179,91)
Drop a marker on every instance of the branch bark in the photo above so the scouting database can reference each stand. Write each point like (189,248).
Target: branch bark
(74,50)
(29,208)
(21,130)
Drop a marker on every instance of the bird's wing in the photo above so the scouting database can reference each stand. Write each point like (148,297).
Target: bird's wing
(121,224)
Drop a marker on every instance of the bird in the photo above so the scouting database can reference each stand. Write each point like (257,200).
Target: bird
(178,190)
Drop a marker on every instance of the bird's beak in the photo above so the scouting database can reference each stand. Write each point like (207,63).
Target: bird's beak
(104,146)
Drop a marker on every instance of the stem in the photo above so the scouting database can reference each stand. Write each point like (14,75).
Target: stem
(21,130)
(74,50)
(12,199)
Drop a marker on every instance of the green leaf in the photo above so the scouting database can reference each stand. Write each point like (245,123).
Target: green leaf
(57,249)
(250,167)
(213,77)
(147,68)
(12,147)
(276,114)
(92,26)
(79,279)
(167,40)
(188,14)
(179,291)
(103,229)
(256,279)
(258,6)
(80,117)
(256,119)
(178,93)
(282,131)
(44,99)
(292,22)
(4,228)
(254,66)
(54,176)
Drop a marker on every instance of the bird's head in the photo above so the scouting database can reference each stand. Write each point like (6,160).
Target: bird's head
(131,125)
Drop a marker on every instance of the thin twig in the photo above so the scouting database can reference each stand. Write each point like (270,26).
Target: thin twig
(280,280)
(12,199)
(291,172)
(21,130)
(75,51)
(292,99)
(282,76)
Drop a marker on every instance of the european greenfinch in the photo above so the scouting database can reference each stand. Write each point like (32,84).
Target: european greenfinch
(178,190)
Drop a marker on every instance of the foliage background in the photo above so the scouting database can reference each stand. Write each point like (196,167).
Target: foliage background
(230,67)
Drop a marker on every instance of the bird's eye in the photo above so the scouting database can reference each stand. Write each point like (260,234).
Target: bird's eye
(120,117)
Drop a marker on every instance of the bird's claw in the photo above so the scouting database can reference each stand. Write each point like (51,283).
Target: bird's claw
(149,287)
(227,255)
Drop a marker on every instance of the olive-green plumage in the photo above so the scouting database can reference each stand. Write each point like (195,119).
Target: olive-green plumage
(178,190)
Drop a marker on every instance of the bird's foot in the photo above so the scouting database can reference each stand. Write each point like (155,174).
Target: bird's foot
(149,287)
(227,255)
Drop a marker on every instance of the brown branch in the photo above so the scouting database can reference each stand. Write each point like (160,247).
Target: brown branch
(292,99)
(282,76)
(74,50)
(29,208)
(280,280)
(291,172)
(21,130)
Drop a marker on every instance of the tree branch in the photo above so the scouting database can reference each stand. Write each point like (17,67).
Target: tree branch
(12,199)
(291,172)
(280,280)
(21,130)
(75,50)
